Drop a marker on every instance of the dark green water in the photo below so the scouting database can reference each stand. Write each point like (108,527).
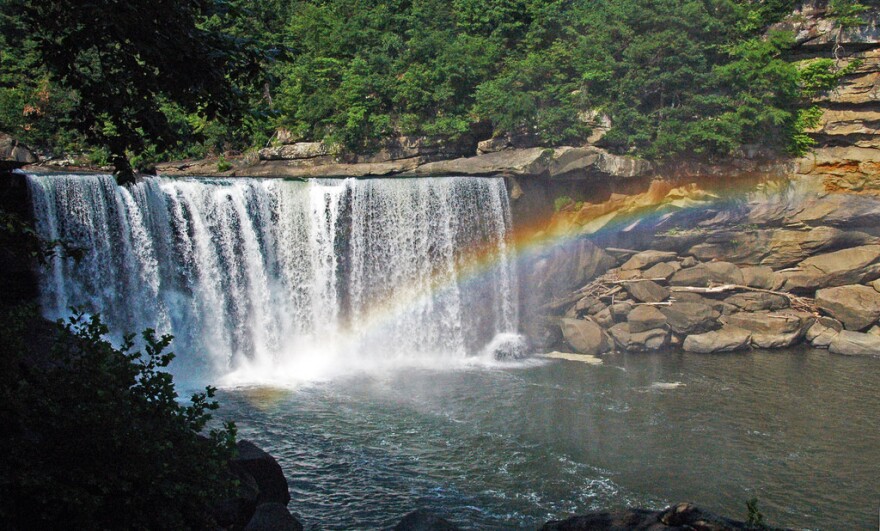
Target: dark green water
(510,447)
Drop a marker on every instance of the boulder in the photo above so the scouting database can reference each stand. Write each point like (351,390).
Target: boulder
(823,331)
(604,318)
(646,291)
(727,339)
(690,317)
(724,273)
(693,276)
(297,151)
(264,469)
(639,341)
(855,344)
(620,310)
(772,323)
(422,520)
(856,306)
(689,261)
(647,259)
(644,318)
(589,305)
(14,154)
(849,266)
(584,336)
(681,516)
(513,162)
(662,270)
(273,516)
(755,301)
(761,277)
(542,334)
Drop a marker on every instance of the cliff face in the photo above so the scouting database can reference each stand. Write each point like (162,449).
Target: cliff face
(847,152)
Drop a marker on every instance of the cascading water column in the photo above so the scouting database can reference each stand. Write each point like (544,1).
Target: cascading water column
(266,279)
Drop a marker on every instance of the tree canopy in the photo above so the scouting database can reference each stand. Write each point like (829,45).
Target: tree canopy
(675,77)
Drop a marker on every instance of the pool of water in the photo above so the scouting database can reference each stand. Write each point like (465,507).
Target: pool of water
(513,446)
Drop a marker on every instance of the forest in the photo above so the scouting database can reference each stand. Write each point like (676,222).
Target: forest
(161,80)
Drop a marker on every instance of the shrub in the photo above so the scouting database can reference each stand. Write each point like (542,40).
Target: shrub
(95,437)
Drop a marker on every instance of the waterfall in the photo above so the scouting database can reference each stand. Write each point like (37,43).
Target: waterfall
(271,279)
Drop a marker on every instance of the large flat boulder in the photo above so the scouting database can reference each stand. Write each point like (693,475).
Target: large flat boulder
(855,344)
(727,339)
(584,336)
(856,306)
(690,317)
(848,266)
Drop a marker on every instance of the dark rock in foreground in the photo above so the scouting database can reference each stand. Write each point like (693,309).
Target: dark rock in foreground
(422,520)
(273,517)
(265,470)
(682,516)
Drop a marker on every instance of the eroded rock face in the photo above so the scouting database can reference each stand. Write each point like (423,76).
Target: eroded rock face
(265,470)
(727,339)
(856,306)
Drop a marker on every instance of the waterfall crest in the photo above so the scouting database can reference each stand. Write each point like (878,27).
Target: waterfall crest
(267,277)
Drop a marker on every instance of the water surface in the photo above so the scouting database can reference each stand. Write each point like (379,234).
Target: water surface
(513,446)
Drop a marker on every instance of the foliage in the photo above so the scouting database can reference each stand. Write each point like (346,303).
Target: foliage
(94,436)
(847,13)
(16,234)
(562,202)
(754,518)
(120,62)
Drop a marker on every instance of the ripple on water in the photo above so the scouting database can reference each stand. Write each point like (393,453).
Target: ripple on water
(511,448)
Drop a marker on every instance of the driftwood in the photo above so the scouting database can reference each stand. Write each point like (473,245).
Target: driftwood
(796,302)
(606,286)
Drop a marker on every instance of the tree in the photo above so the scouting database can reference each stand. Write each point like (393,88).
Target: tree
(123,61)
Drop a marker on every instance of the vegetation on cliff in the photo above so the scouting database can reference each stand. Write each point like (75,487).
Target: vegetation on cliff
(675,77)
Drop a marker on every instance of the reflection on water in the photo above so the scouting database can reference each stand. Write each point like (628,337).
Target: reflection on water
(513,447)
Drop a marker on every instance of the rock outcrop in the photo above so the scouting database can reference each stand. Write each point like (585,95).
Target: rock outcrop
(14,154)
(681,516)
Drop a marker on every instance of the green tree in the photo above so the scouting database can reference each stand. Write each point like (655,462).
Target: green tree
(122,61)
